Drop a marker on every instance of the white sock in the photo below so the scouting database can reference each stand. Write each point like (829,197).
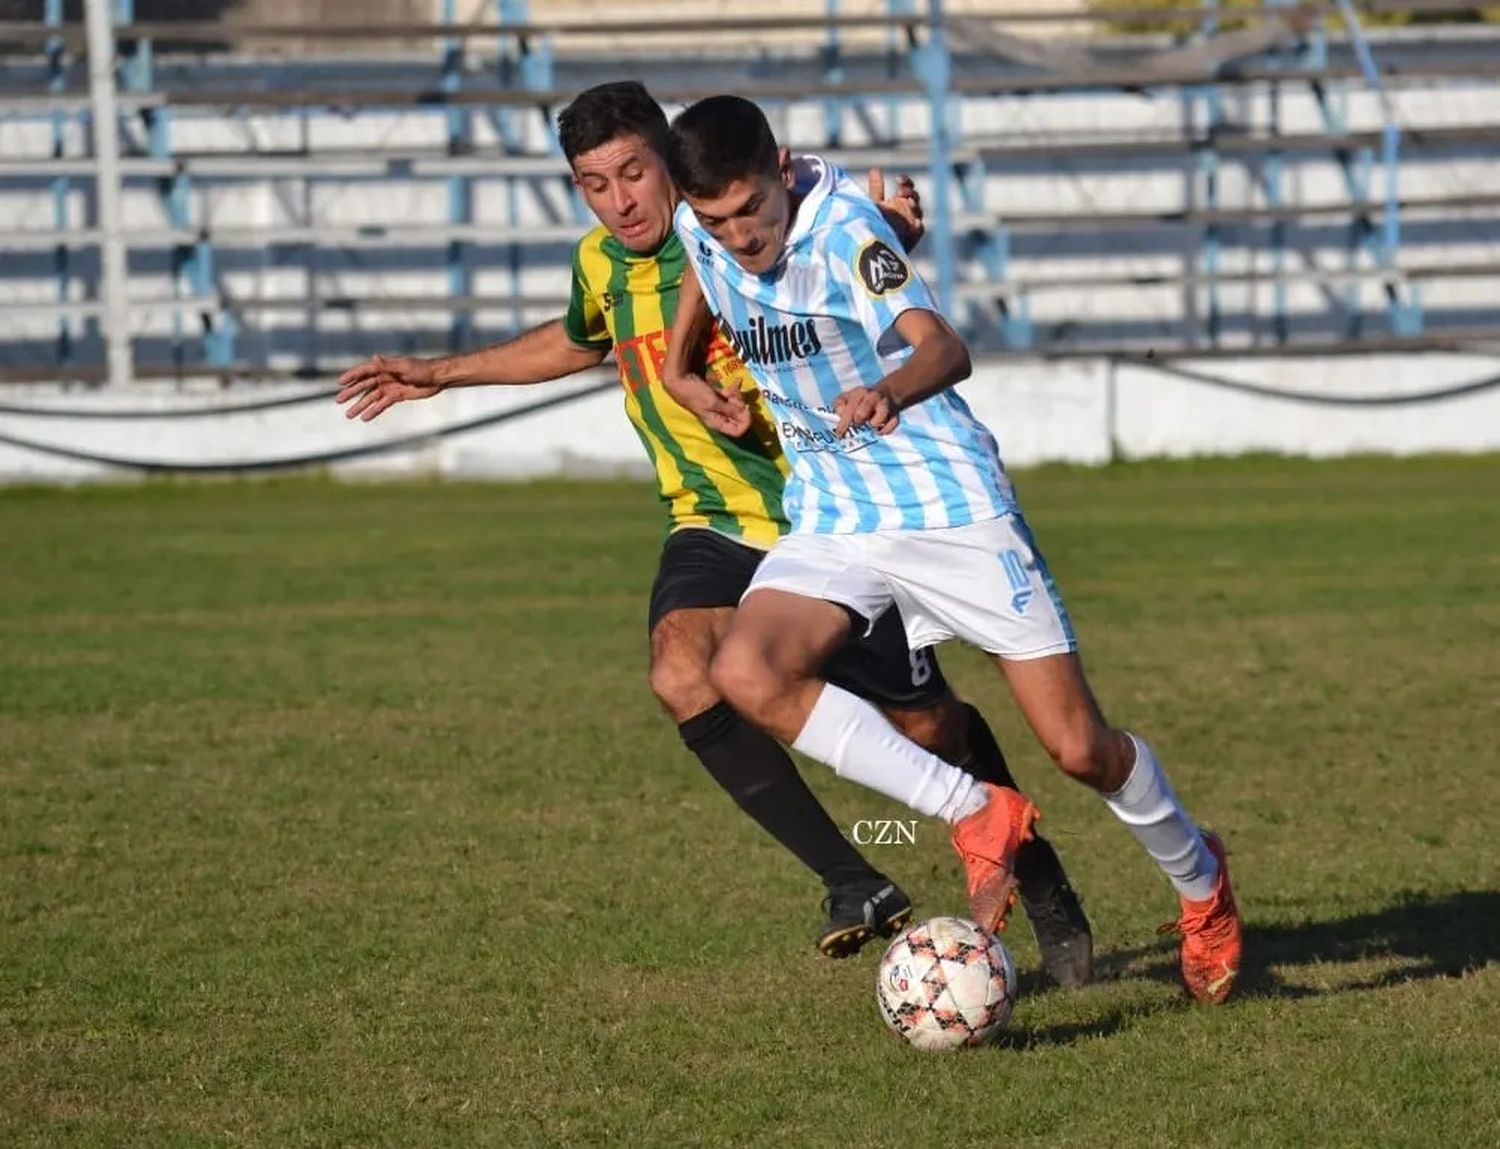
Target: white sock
(847,733)
(1148,806)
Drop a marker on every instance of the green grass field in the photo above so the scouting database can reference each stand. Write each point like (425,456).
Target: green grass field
(343,815)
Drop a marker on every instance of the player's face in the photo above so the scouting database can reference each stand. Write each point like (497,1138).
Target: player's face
(625,184)
(751,216)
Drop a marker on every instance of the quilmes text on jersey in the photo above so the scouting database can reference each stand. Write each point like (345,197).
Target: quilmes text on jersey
(772,344)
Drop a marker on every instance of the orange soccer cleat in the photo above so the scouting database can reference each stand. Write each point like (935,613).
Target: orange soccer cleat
(987,841)
(1211,941)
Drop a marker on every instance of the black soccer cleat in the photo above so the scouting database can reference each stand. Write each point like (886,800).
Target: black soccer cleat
(1062,936)
(858,913)
(1057,918)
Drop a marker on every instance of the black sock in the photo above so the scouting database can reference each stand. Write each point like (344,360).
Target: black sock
(986,760)
(760,776)
(1038,868)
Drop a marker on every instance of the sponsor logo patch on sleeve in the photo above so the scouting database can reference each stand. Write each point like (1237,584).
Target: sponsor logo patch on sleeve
(881,269)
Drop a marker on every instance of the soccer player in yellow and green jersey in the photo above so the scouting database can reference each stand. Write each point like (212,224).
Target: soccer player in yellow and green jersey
(723,500)
(626,300)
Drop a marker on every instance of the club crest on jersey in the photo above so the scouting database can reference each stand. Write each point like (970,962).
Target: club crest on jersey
(881,269)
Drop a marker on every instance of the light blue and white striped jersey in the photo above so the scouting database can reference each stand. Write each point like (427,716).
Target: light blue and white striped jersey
(822,321)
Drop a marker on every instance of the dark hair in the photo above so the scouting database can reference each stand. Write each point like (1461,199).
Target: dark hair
(607,112)
(717,141)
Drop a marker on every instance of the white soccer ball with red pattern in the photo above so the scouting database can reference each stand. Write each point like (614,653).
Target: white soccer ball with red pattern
(946,982)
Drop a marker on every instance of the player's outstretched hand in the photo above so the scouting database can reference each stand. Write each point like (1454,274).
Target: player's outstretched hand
(382,381)
(722,411)
(902,210)
(861,406)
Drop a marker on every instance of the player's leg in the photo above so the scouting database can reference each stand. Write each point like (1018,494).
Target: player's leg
(912,692)
(987,583)
(701,576)
(1054,694)
(1063,936)
(797,613)
(751,766)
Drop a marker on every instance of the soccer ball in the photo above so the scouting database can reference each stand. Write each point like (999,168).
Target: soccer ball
(946,982)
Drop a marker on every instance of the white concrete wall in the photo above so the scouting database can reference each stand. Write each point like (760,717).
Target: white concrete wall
(1076,410)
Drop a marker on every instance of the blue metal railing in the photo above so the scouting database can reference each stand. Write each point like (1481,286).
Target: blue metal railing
(936,63)
(969,245)
(1406,314)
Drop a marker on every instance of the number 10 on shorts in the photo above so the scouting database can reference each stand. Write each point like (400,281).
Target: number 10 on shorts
(1020,582)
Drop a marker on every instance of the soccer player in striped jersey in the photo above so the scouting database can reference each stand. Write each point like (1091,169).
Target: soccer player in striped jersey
(897,498)
(722,494)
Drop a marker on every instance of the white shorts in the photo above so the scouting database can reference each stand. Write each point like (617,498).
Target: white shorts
(984,583)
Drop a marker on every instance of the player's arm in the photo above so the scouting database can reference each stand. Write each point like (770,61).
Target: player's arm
(896,309)
(535,356)
(687,346)
(939,359)
(576,342)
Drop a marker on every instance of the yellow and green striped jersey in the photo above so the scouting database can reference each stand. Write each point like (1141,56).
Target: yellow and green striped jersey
(627,300)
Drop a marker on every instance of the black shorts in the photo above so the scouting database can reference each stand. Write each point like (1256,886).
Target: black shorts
(702,568)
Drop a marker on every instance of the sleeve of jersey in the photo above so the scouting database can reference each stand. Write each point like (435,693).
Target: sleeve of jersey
(584,322)
(867,259)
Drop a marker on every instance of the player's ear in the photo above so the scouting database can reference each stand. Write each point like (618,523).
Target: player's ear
(784,163)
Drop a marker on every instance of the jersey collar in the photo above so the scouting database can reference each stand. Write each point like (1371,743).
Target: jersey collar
(812,181)
(617,251)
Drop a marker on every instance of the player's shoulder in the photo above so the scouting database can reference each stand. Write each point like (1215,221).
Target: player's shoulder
(593,241)
(592,261)
(857,237)
(685,223)
(847,218)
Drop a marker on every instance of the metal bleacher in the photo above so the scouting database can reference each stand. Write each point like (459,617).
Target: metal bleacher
(1268,178)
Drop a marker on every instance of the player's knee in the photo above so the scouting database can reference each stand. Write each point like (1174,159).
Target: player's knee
(1085,755)
(742,676)
(680,683)
(679,668)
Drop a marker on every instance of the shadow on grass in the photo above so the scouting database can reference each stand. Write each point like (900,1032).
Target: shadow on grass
(1042,1036)
(1432,936)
